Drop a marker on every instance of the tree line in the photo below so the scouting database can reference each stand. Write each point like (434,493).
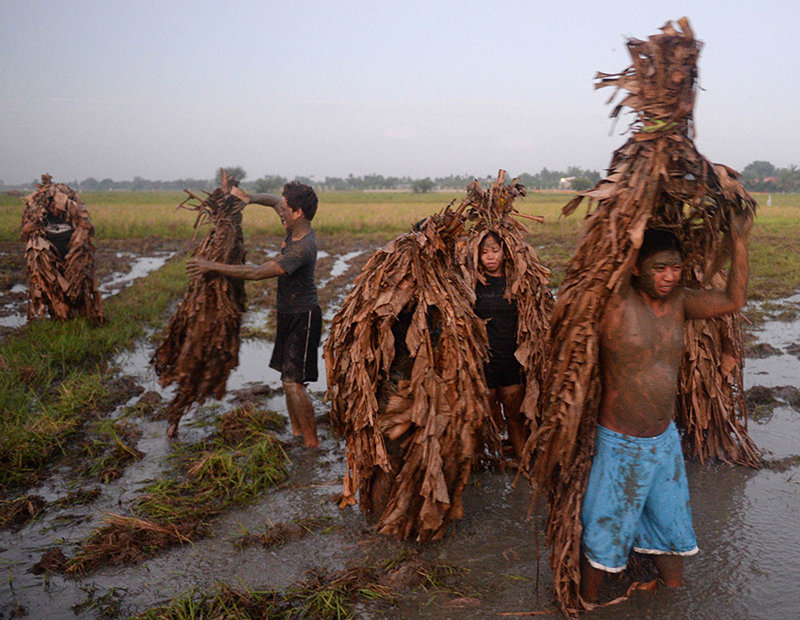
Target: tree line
(758,176)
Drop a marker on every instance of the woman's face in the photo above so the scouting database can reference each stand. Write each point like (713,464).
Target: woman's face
(491,256)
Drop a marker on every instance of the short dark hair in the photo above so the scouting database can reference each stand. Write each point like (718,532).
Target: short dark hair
(494,235)
(658,240)
(300,196)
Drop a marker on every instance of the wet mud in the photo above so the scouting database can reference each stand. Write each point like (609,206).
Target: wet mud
(492,563)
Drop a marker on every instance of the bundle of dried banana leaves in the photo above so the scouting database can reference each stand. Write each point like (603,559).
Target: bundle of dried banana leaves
(59,254)
(404,360)
(201,346)
(526,278)
(657,178)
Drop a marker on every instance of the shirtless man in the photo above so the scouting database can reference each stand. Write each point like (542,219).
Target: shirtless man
(299,317)
(637,496)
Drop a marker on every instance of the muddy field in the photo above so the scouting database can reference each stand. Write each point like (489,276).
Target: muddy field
(493,562)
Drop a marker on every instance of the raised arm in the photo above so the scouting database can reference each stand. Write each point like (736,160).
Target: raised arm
(707,304)
(270,200)
(198,266)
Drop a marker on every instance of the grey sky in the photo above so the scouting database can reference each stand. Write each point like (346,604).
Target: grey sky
(167,90)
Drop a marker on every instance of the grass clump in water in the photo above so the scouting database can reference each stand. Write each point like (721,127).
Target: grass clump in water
(53,374)
(236,465)
(321,596)
(281,533)
(111,450)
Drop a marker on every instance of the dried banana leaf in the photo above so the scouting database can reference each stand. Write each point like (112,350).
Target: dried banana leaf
(526,279)
(404,360)
(201,345)
(657,178)
(59,254)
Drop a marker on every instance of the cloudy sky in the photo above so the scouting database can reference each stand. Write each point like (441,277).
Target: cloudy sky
(167,90)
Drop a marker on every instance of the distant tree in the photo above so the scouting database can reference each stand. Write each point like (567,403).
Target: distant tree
(89,184)
(304,180)
(269,184)
(422,186)
(580,184)
(759,169)
(237,172)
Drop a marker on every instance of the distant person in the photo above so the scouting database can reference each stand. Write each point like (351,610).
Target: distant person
(637,495)
(299,316)
(504,376)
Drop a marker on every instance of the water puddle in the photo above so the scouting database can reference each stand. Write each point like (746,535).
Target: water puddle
(140,267)
(783,337)
(14,313)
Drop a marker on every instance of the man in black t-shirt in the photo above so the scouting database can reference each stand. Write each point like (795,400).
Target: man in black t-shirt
(299,316)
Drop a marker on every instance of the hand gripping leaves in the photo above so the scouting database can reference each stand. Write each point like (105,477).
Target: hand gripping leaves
(201,346)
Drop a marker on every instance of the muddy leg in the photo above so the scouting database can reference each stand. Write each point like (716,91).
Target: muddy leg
(670,569)
(591,580)
(511,396)
(301,413)
(496,411)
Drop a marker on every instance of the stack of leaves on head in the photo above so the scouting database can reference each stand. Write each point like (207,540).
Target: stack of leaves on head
(656,179)
(526,279)
(201,346)
(59,254)
(404,362)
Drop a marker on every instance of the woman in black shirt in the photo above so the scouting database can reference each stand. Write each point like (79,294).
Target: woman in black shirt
(503,372)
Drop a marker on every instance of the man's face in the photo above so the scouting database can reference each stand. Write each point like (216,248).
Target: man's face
(659,274)
(290,215)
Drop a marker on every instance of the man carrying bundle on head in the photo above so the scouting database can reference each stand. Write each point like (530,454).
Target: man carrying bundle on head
(299,316)
(637,496)
(643,334)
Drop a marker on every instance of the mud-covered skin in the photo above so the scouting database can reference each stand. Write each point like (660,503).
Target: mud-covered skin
(641,348)
(641,336)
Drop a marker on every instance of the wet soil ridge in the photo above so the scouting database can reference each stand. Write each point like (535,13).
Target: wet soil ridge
(404,360)
(201,345)
(281,533)
(59,254)
(656,179)
(237,464)
(327,595)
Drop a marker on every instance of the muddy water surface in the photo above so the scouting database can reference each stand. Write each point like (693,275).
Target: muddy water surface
(745,520)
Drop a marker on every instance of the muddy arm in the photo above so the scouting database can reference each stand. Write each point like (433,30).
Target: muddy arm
(707,304)
(270,200)
(199,266)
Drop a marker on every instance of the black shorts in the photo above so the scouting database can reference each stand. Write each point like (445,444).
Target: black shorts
(503,372)
(296,344)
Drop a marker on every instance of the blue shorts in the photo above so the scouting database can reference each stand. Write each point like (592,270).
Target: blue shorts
(637,498)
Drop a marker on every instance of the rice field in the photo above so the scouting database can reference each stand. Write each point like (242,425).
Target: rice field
(120,215)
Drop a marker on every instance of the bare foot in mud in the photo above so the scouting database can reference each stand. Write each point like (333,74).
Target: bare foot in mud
(313,444)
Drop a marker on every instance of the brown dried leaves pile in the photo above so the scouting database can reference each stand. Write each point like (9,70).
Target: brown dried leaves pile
(201,346)
(657,178)
(65,286)
(404,362)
